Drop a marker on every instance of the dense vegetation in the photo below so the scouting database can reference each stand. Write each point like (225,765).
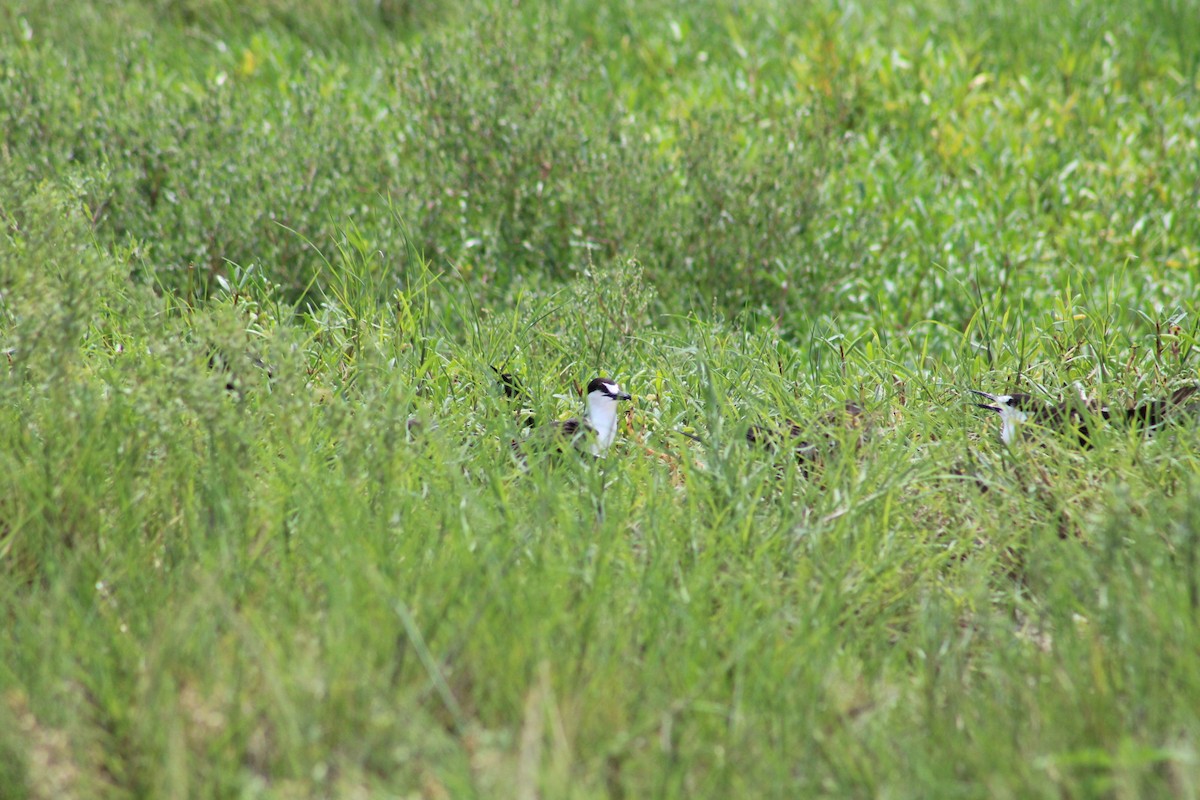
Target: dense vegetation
(262,533)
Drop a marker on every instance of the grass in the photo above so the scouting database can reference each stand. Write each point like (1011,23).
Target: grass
(246,243)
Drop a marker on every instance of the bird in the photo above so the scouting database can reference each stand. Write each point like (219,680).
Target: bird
(511,385)
(1018,410)
(1150,415)
(812,444)
(514,390)
(234,372)
(594,433)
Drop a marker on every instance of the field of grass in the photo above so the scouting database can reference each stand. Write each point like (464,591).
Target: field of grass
(246,244)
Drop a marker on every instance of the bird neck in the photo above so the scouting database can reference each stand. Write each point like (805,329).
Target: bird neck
(602,416)
(1010,424)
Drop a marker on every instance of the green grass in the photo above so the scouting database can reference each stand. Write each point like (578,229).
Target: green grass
(742,212)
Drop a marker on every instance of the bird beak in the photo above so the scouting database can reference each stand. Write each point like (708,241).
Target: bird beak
(991,397)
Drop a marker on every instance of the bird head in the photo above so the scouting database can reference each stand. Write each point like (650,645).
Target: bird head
(1013,409)
(1008,406)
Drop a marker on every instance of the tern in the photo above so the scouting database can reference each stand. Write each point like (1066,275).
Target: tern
(233,370)
(513,390)
(1019,410)
(594,433)
(813,443)
(1184,402)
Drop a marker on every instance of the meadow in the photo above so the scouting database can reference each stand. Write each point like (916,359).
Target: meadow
(263,534)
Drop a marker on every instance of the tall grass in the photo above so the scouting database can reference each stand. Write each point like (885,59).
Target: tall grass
(262,530)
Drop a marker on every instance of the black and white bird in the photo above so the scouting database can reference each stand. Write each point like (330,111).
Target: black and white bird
(593,433)
(235,370)
(1022,413)
(1183,403)
(515,392)
(812,444)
